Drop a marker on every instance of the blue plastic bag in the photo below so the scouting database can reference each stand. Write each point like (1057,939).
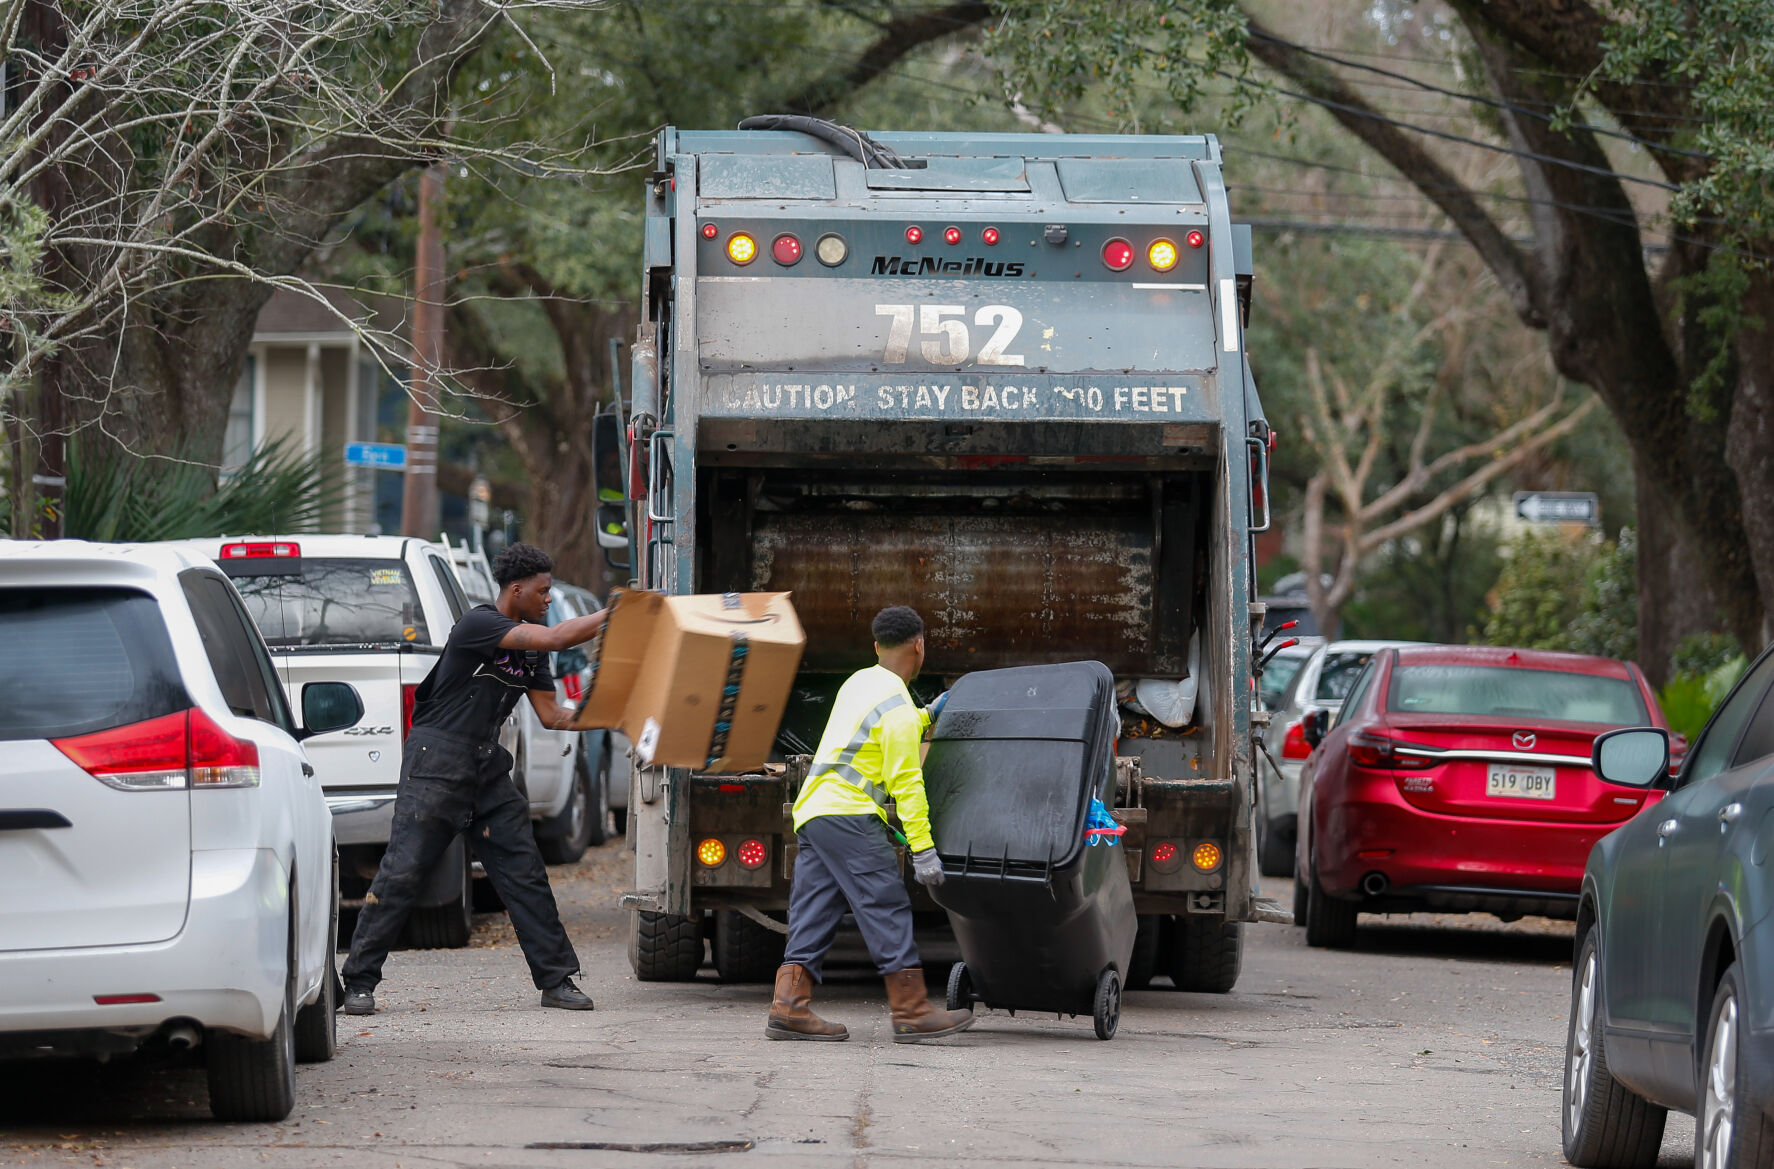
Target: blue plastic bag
(1100,827)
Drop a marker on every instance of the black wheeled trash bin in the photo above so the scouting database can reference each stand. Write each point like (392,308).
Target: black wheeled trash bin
(1044,922)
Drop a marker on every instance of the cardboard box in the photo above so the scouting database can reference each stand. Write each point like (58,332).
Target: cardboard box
(663,670)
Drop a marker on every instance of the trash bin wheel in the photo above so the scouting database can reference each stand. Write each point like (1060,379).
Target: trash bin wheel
(1108,1004)
(960,988)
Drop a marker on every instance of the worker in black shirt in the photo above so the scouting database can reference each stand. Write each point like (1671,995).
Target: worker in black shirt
(455,777)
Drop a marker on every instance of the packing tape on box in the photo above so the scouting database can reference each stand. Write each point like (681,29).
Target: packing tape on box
(739,650)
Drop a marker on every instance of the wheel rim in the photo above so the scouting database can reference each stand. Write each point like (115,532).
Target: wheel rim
(579,808)
(1582,1054)
(1721,1087)
(1112,1013)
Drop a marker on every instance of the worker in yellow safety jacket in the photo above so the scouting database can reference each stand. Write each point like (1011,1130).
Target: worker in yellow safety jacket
(868,757)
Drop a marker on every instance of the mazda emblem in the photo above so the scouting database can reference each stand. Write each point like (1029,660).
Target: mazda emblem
(1524,740)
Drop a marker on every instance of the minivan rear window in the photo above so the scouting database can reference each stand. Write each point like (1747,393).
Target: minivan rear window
(1502,690)
(80,660)
(335,601)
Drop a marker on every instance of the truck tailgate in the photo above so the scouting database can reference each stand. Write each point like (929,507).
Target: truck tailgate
(366,755)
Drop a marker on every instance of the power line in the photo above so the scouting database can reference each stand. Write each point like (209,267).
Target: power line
(1375,115)
(1479,99)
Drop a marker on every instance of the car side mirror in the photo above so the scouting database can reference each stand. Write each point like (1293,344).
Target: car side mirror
(1314,725)
(328,706)
(1633,757)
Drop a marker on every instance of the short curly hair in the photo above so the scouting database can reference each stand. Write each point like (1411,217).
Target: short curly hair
(520,562)
(895,625)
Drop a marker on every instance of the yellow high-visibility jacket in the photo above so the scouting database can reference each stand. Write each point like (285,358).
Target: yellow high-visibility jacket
(869,755)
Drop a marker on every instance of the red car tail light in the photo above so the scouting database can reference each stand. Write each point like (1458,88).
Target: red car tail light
(144,756)
(169,753)
(1367,749)
(752,854)
(218,759)
(409,698)
(1294,745)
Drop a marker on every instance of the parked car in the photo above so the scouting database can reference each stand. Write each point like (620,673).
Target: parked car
(1319,683)
(373,611)
(1672,989)
(1458,778)
(165,850)
(564,774)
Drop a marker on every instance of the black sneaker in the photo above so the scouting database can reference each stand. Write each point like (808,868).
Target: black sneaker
(567,997)
(359,1002)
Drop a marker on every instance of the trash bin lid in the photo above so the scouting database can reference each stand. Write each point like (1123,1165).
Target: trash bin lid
(1015,758)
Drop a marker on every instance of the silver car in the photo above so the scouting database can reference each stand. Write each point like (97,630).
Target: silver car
(1321,683)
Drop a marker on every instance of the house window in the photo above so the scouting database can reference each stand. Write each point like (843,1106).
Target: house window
(237,440)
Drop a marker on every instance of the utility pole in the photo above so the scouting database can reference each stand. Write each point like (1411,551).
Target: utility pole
(418,511)
(47,33)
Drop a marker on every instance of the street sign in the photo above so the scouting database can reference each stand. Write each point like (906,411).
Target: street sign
(1558,507)
(385,456)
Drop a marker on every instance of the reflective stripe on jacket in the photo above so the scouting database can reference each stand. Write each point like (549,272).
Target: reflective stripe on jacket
(869,756)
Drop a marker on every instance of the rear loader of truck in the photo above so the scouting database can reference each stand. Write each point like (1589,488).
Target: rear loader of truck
(1001,379)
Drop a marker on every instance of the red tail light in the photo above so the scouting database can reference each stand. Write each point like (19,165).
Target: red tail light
(253,551)
(951,235)
(218,759)
(752,854)
(571,685)
(169,753)
(1367,749)
(144,756)
(116,1000)
(1117,255)
(1295,746)
(409,692)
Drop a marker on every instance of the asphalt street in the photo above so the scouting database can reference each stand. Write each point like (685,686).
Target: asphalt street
(1438,1041)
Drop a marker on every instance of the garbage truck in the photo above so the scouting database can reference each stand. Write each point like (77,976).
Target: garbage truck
(1001,378)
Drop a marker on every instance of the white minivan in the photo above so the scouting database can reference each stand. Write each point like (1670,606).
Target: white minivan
(166,854)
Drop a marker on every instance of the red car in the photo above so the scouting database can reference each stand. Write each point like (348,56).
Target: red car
(1457,779)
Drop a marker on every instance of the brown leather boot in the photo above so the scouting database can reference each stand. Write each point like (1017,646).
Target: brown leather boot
(913,1016)
(790,1015)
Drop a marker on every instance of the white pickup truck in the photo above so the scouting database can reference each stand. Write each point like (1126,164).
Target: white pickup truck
(373,611)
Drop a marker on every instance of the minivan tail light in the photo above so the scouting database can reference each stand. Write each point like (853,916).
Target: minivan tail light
(170,753)
(218,759)
(409,698)
(144,756)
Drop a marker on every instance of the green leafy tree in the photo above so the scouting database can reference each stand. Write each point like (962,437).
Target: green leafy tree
(1633,130)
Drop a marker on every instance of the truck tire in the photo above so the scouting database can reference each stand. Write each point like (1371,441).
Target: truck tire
(255,1079)
(663,947)
(447,926)
(1206,953)
(1275,853)
(1143,966)
(317,1036)
(563,839)
(744,950)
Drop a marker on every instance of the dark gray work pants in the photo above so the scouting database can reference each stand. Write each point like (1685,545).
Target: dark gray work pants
(847,862)
(450,785)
